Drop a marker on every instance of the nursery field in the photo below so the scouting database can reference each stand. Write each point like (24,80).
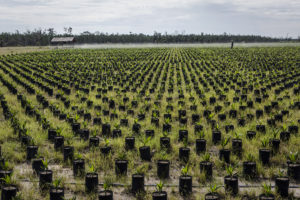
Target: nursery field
(151,123)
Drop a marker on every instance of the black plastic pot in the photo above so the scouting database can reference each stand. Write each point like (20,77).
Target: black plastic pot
(122,108)
(282,186)
(45,179)
(163,168)
(159,195)
(251,134)
(155,121)
(91,182)
(206,167)
(216,137)
(149,133)
(62,116)
(113,116)
(51,134)
(195,118)
(271,122)
(70,120)
(294,171)
(4,173)
(259,113)
(84,134)
(130,112)
(237,146)
(116,133)
(97,121)
(76,128)
(185,185)
(184,154)
(200,145)
(213,124)
(232,113)
(183,135)
(145,153)
(121,167)
(229,128)
(25,140)
(124,122)
(183,120)
(106,129)
(137,184)
(94,142)
(264,156)
(68,153)
(111,104)
(31,152)
(129,143)
(249,169)
(285,112)
(278,117)
(212,100)
(222,117)
(261,128)
(181,113)
(9,192)
(231,184)
(241,122)
(198,128)
(285,136)
(78,167)
(37,165)
(274,143)
(250,104)
(167,127)
(293,129)
(165,142)
(58,142)
(136,128)
(224,154)
(105,195)
(57,194)
(250,116)
(105,150)
(212,196)
(268,109)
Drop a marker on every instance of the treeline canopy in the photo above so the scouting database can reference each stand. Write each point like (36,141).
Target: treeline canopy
(43,37)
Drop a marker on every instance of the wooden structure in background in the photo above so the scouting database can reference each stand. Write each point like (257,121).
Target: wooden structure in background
(63,41)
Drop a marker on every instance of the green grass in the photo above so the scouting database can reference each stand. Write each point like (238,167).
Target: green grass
(177,60)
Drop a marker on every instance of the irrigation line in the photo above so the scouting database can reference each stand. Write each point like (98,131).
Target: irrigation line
(154,185)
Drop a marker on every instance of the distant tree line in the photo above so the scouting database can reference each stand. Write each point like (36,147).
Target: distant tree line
(41,37)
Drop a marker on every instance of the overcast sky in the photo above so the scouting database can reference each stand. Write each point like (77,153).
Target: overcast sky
(277,18)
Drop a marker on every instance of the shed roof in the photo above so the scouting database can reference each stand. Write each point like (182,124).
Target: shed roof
(62,39)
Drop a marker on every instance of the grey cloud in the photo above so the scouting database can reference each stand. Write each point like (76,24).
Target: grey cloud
(193,16)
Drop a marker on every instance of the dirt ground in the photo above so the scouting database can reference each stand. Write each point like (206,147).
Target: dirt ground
(14,50)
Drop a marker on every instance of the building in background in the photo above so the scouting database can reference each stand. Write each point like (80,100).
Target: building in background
(63,41)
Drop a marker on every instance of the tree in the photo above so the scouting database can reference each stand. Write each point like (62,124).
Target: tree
(51,32)
(43,37)
(70,30)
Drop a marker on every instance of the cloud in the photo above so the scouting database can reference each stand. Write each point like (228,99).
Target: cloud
(195,16)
